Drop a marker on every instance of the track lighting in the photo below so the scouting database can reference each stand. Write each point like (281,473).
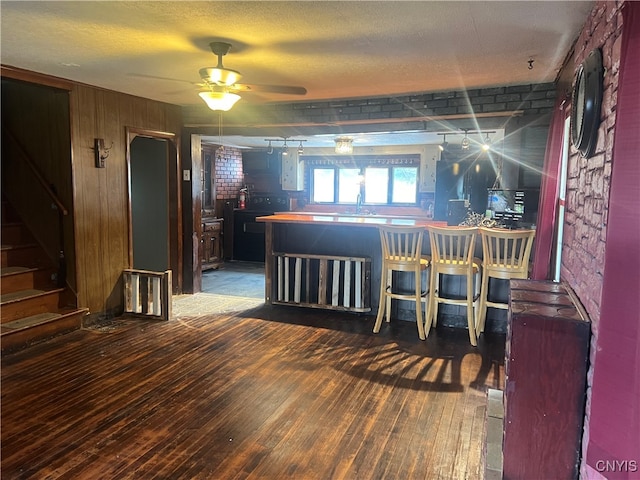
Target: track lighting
(285,146)
(466,143)
(486,144)
(443,146)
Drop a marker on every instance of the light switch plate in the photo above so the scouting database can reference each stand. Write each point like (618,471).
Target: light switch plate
(186,175)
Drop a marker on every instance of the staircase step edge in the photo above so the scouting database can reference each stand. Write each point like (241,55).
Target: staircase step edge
(22,295)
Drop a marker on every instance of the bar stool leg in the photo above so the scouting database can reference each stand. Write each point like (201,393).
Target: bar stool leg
(482,310)
(418,290)
(470,311)
(384,303)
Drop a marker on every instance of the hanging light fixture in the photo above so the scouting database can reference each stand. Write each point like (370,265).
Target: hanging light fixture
(269,148)
(218,98)
(466,143)
(300,148)
(443,146)
(285,148)
(344,145)
(486,144)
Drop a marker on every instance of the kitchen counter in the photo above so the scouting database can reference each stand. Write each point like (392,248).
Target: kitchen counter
(345,219)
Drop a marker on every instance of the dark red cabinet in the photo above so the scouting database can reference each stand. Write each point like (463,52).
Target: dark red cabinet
(545,387)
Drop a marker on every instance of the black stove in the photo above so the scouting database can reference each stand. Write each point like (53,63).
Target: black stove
(266,203)
(248,235)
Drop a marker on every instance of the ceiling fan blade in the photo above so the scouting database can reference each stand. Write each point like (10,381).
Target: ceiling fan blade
(155,77)
(284,89)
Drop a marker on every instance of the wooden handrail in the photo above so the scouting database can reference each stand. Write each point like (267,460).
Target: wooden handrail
(37,173)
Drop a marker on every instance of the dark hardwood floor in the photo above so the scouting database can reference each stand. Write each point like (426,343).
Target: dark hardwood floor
(267,393)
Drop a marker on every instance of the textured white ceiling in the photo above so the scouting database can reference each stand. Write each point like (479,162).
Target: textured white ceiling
(334,49)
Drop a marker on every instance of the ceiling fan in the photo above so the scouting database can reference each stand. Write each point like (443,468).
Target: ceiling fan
(221,83)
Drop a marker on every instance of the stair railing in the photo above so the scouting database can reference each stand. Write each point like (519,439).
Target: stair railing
(51,192)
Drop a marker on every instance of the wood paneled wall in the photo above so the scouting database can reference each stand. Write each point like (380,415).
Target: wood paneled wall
(101,194)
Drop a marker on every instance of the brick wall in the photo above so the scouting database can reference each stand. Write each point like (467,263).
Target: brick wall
(588,179)
(588,183)
(531,99)
(228,174)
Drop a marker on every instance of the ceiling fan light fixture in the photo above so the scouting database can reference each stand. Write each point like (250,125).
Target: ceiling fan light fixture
(220,76)
(219,100)
(344,145)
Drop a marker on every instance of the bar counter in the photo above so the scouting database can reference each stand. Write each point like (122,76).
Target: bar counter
(345,236)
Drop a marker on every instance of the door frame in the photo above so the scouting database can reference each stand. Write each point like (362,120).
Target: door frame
(174,202)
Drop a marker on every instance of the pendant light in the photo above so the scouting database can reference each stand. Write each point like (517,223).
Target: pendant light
(466,143)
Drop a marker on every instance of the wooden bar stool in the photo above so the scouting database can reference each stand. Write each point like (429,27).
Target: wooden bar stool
(401,252)
(452,254)
(505,255)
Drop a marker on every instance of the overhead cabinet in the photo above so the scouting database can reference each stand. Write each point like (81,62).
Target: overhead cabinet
(256,162)
(292,177)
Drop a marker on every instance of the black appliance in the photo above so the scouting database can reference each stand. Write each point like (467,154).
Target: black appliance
(457,211)
(248,234)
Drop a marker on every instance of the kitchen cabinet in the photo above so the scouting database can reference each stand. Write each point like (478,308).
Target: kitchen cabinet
(211,243)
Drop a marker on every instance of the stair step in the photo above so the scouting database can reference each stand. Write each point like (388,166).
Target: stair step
(16,278)
(7,271)
(24,303)
(29,255)
(30,321)
(20,295)
(15,234)
(29,330)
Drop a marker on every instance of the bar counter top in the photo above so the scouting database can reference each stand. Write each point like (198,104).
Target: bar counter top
(348,219)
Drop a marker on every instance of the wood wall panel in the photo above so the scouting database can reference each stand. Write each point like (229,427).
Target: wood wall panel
(101,208)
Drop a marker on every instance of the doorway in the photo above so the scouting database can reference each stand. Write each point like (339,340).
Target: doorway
(155,230)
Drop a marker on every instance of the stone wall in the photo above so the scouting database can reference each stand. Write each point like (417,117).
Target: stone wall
(588,179)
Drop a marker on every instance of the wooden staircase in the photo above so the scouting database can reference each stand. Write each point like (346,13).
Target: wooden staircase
(33,308)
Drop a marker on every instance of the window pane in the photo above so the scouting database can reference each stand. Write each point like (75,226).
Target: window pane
(405,185)
(323,185)
(348,185)
(376,185)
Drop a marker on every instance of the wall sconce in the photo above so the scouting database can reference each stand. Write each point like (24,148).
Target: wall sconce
(344,145)
(101,152)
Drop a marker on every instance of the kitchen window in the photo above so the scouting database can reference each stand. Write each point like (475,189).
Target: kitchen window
(376,180)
